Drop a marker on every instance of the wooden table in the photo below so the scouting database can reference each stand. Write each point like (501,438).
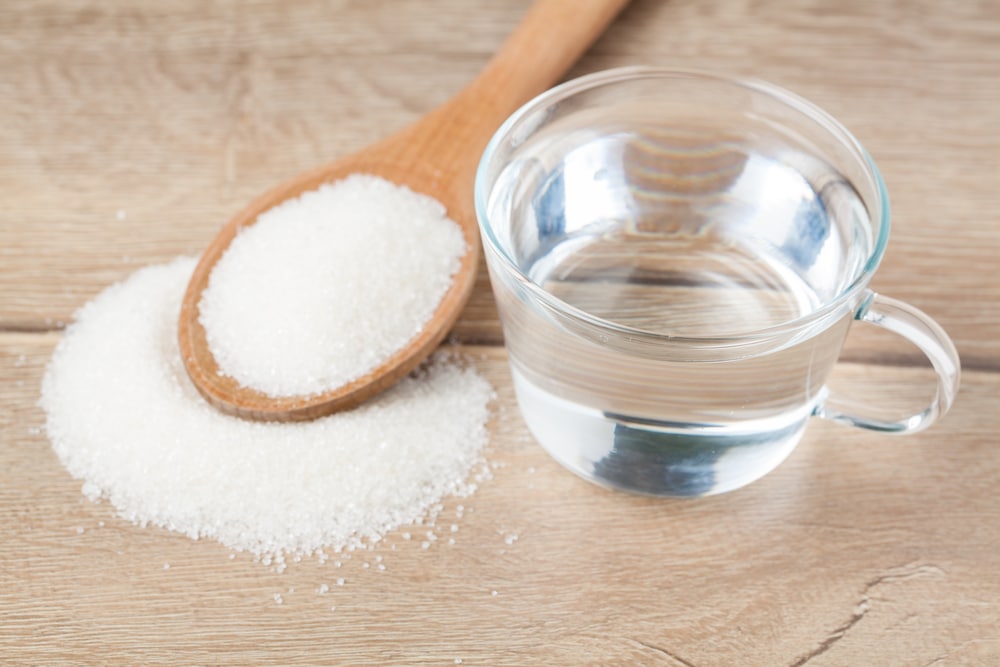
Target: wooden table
(130,130)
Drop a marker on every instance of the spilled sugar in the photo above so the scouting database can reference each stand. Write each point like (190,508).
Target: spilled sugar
(371,262)
(123,417)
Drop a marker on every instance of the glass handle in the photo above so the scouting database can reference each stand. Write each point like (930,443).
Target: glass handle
(918,328)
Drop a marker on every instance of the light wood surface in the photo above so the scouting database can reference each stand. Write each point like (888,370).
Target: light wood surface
(129,132)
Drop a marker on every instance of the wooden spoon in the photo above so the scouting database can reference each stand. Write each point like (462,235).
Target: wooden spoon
(436,156)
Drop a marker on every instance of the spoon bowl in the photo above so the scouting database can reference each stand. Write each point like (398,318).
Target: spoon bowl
(436,156)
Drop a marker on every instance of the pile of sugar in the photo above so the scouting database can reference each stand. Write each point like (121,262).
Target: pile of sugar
(323,288)
(123,416)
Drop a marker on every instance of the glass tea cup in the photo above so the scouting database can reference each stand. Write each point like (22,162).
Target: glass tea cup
(677,258)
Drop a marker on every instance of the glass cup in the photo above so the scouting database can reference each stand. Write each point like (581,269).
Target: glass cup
(677,258)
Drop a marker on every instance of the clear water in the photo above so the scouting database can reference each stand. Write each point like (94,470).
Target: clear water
(655,457)
(606,374)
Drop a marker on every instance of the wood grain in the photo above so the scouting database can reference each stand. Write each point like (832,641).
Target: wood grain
(129,132)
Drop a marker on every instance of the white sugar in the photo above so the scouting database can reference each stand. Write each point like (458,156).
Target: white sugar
(324,288)
(124,418)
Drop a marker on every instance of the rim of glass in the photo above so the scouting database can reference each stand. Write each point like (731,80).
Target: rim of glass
(830,124)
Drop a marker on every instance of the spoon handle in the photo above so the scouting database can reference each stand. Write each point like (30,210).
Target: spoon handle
(549,39)
(448,142)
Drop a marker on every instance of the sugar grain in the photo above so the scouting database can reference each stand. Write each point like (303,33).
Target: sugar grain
(324,288)
(124,418)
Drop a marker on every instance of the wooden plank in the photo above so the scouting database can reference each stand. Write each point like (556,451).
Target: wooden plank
(176,115)
(861,548)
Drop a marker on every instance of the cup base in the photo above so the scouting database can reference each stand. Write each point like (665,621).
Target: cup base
(655,458)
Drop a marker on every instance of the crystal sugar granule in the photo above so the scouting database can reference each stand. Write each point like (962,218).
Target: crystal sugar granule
(124,418)
(326,286)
